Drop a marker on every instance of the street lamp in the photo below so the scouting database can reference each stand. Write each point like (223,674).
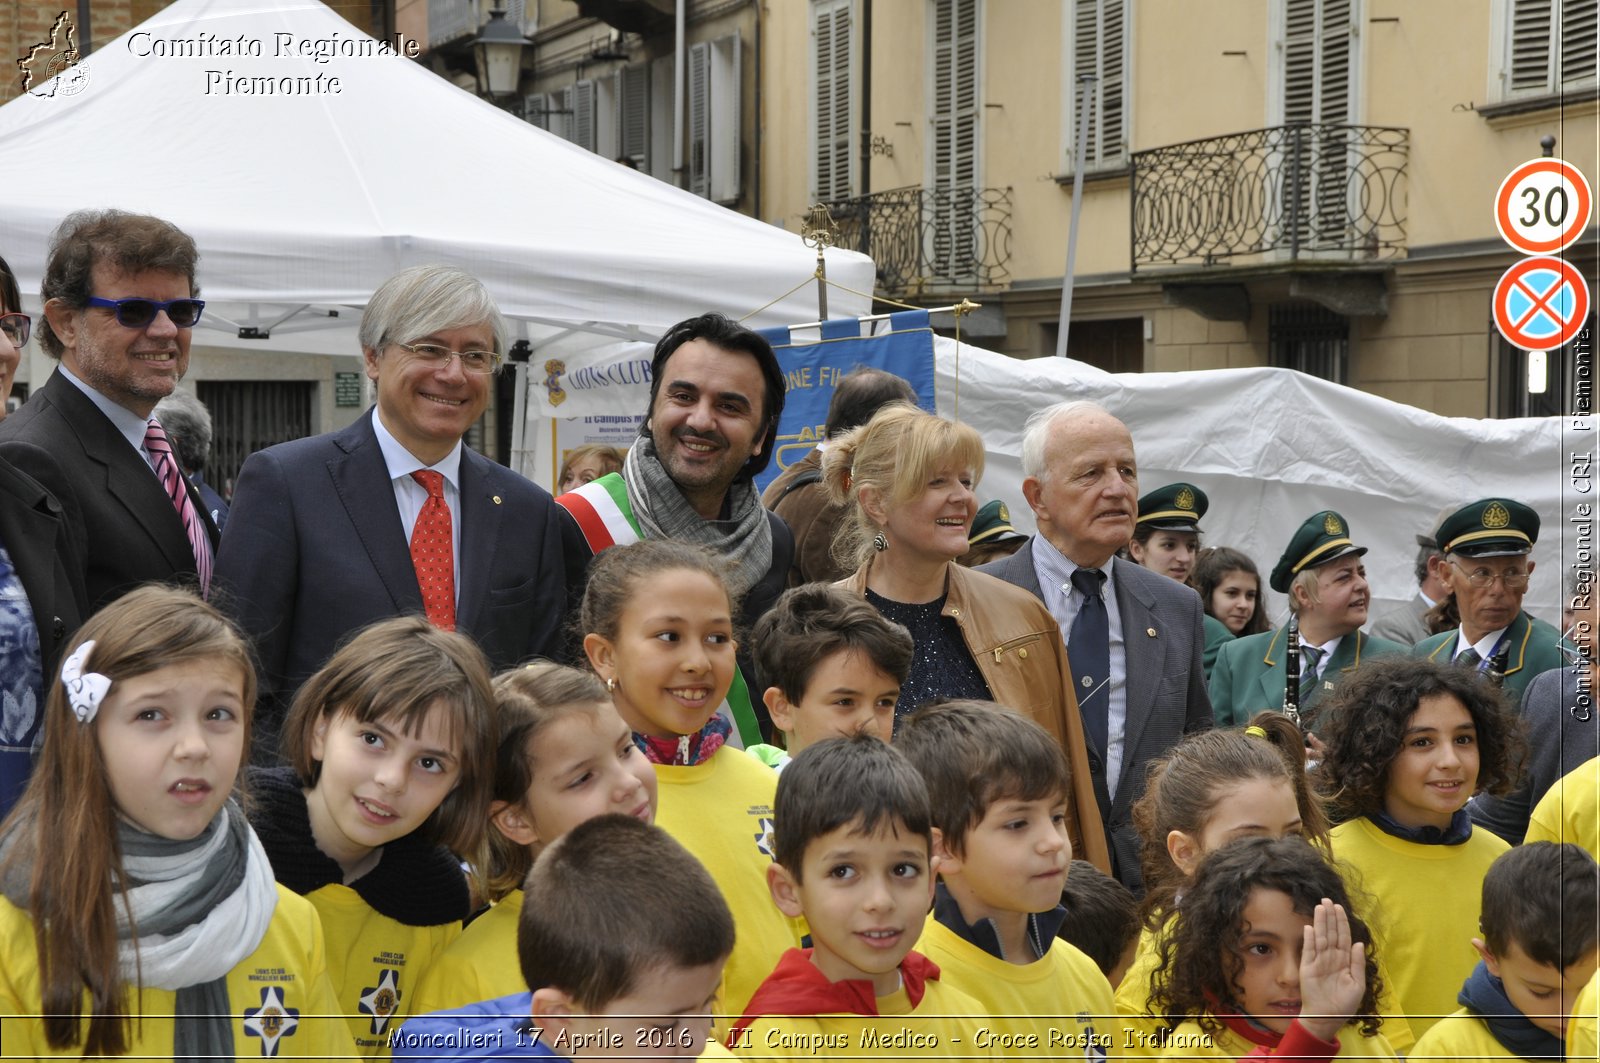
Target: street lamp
(498,50)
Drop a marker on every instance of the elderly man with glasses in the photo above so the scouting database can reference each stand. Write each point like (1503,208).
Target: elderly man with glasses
(395,514)
(1486,546)
(120,308)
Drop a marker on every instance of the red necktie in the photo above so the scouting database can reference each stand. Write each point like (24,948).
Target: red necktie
(433,554)
(177,488)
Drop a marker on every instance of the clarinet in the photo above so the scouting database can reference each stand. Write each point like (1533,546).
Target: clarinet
(1497,667)
(1291,671)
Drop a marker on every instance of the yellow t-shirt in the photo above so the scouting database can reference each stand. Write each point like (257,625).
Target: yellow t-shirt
(1460,1035)
(1060,1004)
(1583,1025)
(376,963)
(944,1025)
(721,811)
(481,964)
(1140,1034)
(280,996)
(1570,810)
(1422,905)
(1190,1042)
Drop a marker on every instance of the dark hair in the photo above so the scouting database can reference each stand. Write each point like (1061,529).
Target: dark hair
(400,670)
(727,335)
(132,243)
(859,782)
(612,901)
(1102,915)
(1181,791)
(1201,956)
(1143,532)
(1542,897)
(811,623)
(861,393)
(528,700)
(65,827)
(1365,724)
(10,293)
(1215,564)
(972,754)
(615,575)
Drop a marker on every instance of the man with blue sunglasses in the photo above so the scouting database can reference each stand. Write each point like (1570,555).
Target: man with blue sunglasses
(120,308)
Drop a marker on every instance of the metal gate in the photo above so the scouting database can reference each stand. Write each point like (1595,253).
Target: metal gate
(249,415)
(1310,338)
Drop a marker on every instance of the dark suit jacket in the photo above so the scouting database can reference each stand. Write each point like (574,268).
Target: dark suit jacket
(125,528)
(315,551)
(1166,689)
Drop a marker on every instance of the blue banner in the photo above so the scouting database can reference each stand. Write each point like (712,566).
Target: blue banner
(812,370)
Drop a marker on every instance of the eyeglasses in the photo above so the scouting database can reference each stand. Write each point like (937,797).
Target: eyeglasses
(139,313)
(436,357)
(16,327)
(1479,578)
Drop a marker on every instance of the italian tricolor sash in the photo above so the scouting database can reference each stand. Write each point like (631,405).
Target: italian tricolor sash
(606,519)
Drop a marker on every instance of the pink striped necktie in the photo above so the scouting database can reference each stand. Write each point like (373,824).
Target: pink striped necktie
(177,488)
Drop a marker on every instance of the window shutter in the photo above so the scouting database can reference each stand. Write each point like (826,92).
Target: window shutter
(536,109)
(635,123)
(1098,48)
(517,14)
(1531,25)
(1299,61)
(699,118)
(833,156)
(955,93)
(1580,42)
(723,149)
(581,121)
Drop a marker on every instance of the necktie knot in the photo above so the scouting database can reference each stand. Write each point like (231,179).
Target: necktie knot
(1088,581)
(1469,658)
(1313,657)
(432,482)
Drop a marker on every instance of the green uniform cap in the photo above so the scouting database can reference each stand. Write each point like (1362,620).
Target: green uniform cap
(1490,527)
(992,524)
(1322,538)
(1175,507)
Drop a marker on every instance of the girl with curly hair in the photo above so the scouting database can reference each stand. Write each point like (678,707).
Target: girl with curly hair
(1408,742)
(1270,960)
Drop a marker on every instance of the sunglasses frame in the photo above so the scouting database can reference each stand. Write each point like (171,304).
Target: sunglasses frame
(121,305)
(27,328)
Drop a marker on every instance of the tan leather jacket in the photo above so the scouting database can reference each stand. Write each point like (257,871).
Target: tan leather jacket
(1017,646)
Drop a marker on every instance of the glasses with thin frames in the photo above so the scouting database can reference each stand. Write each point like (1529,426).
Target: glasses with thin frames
(17,328)
(436,357)
(1479,578)
(139,313)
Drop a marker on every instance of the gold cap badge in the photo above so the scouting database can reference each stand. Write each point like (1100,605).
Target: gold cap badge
(1185,499)
(1496,516)
(1332,525)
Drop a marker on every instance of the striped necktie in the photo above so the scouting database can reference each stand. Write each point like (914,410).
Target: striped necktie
(177,488)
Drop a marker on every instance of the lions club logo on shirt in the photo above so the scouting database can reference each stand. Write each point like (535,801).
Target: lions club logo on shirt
(381,1000)
(272,1021)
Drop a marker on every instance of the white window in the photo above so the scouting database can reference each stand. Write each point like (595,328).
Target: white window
(1546,47)
(1098,46)
(953,146)
(581,121)
(713,104)
(1316,60)
(835,126)
(634,115)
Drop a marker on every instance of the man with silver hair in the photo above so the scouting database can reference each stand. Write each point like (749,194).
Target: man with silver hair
(395,514)
(188,425)
(1134,637)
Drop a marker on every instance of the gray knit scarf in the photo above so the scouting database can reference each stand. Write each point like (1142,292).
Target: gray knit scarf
(199,908)
(743,541)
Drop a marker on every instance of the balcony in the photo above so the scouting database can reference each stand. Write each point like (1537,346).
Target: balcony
(451,20)
(928,241)
(1302,193)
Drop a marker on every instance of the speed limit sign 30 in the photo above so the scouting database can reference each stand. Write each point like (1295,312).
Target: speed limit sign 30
(1543,206)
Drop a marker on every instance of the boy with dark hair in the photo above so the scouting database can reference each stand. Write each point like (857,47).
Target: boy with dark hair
(622,941)
(831,664)
(998,784)
(1539,951)
(852,849)
(1102,919)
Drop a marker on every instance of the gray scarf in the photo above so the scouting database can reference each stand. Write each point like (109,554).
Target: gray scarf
(199,907)
(743,541)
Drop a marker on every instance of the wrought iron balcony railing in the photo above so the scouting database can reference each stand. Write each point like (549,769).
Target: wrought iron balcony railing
(927,240)
(450,20)
(1306,191)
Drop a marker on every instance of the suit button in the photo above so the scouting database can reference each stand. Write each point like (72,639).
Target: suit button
(1095,766)
(58,630)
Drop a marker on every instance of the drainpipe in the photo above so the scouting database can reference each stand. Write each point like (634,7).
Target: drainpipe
(679,18)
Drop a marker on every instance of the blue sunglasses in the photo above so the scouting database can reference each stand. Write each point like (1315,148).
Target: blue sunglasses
(138,313)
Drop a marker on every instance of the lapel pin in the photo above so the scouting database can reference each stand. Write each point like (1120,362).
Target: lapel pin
(1150,631)
(497,500)
(1326,685)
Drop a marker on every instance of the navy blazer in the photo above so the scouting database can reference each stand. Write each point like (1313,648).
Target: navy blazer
(1166,687)
(315,551)
(125,529)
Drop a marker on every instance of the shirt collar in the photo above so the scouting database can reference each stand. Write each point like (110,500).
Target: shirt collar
(402,462)
(130,425)
(1485,646)
(1059,567)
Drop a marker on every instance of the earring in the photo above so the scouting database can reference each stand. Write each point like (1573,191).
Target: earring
(611,685)
(880,542)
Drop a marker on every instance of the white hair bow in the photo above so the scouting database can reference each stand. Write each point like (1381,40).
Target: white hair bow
(85,690)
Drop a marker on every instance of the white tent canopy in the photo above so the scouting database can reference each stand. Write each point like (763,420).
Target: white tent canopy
(311,199)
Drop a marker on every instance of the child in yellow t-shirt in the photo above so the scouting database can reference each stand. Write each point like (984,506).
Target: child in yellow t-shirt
(998,785)
(1539,951)
(852,852)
